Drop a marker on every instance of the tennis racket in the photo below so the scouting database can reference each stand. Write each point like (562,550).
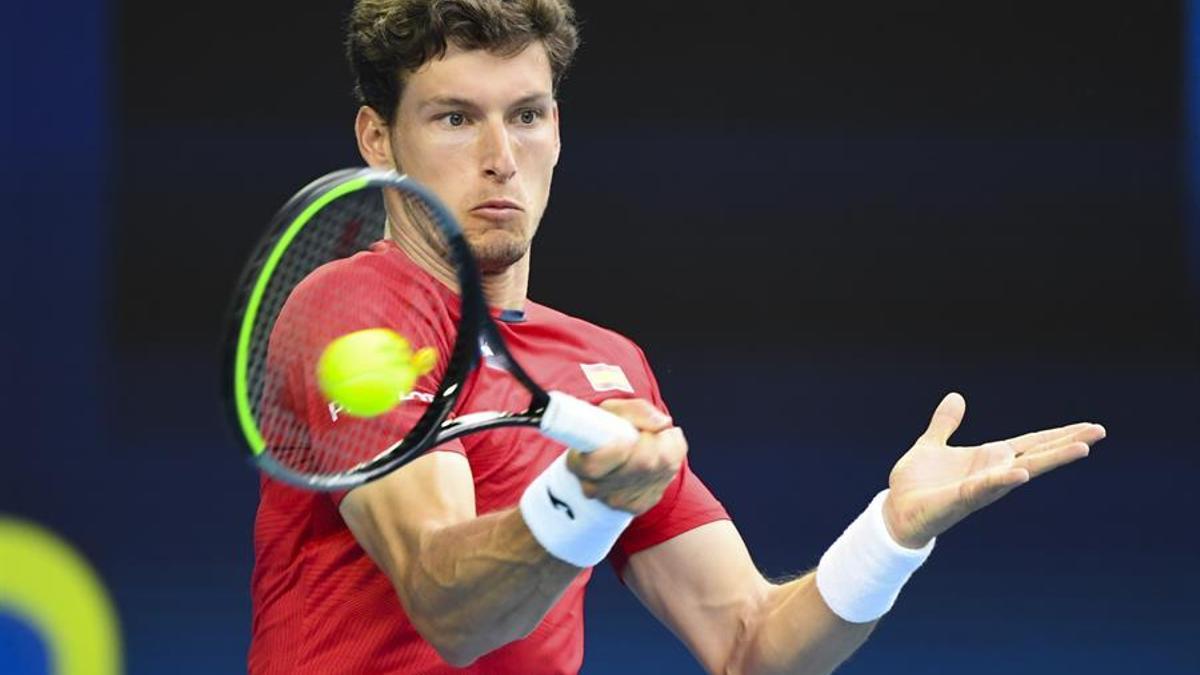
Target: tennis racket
(331,219)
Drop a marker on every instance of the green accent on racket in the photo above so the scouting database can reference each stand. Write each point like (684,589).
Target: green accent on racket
(241,395)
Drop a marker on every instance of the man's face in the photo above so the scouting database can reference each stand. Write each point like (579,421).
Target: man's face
(481,131)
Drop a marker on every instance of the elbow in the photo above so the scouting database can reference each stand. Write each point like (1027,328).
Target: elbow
(741,656)
(442,624)
(446,618)
(458,656)
(735,661)
(454,647)
(461,645)
(461,651)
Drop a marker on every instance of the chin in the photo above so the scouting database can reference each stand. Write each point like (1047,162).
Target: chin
(497,250)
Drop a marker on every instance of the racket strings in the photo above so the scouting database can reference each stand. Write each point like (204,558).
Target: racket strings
(313,435)
(305,433)
(421,218)
(315,245)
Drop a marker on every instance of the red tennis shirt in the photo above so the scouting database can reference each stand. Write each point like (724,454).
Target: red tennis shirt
(320,604)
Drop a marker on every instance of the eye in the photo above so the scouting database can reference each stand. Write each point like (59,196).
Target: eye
(529,116)
(456,119)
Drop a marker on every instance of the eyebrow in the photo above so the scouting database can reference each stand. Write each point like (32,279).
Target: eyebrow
(456,102)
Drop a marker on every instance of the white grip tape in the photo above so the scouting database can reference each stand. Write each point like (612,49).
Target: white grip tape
(582,426)
(568,524)
(861,575)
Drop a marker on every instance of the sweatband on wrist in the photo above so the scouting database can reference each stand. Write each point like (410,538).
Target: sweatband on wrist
(861,575)
(569,525)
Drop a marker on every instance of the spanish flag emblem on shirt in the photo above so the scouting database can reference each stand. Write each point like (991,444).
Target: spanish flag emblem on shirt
(606,377)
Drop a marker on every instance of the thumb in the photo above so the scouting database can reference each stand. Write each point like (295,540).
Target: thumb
(638,412)
(946,418)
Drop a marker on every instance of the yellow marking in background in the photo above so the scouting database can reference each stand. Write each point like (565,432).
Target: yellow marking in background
(45,581)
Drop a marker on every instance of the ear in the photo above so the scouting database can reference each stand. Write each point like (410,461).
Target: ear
(374,142)
(557,136)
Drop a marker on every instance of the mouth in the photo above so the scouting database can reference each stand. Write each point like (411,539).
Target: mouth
(497,209)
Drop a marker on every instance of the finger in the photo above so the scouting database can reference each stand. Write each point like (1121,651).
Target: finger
(634,502)
(671,444)
(1048,439)
(1087,437)
(1042,462)
(986,487)
(656,460)
(639,482)
(653,452)
(639,412)
(1028,442)
(673,447)
(946,418)
(994,454)
(646,500)
(1093,433)
(601,462)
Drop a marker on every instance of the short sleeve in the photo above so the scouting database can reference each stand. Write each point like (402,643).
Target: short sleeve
(337,299)
(685,505)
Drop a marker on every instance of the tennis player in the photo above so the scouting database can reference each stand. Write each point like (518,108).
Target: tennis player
(453,561)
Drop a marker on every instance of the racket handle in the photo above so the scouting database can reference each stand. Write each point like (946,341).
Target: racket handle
(582,426)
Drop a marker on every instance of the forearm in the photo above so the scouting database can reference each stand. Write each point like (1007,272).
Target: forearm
(793,631)
(814,623)
(479,584)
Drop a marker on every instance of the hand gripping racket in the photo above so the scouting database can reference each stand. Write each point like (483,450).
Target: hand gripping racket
(333,218)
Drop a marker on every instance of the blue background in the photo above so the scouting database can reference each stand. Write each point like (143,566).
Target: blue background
(816,220)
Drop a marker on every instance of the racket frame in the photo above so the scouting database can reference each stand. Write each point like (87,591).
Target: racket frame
(475,324)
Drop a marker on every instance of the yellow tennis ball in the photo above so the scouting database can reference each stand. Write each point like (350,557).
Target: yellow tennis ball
(367,372)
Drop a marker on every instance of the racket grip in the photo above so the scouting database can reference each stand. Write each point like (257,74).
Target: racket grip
(582,426)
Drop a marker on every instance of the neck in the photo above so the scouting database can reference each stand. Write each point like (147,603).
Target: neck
(502,289)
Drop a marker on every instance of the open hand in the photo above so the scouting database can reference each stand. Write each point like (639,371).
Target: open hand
(935,485)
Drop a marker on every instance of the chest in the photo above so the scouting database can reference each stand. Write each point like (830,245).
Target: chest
(504,461)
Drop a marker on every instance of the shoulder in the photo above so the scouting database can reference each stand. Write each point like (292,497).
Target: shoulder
(611,362)
(376,272)
(587,332)
(380,286)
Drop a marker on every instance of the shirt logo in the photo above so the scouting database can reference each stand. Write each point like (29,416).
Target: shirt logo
(490,358)
(336,410)
(560,504)
(605,377)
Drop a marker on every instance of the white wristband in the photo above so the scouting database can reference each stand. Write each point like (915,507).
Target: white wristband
(568,524)
(861,575)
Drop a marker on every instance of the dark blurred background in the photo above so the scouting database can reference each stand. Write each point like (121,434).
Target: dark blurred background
(817,218)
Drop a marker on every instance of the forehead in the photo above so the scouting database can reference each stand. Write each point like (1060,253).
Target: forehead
(480,75)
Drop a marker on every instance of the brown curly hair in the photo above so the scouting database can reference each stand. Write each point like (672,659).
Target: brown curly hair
(387,39)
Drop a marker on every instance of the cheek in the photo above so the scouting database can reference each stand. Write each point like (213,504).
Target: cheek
(434,161)
(539,154)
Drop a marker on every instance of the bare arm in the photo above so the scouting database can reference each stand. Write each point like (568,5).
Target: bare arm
(704,586)
(473,583)
(469,584)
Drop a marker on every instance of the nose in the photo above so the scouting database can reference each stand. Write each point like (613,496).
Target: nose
(499,162)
